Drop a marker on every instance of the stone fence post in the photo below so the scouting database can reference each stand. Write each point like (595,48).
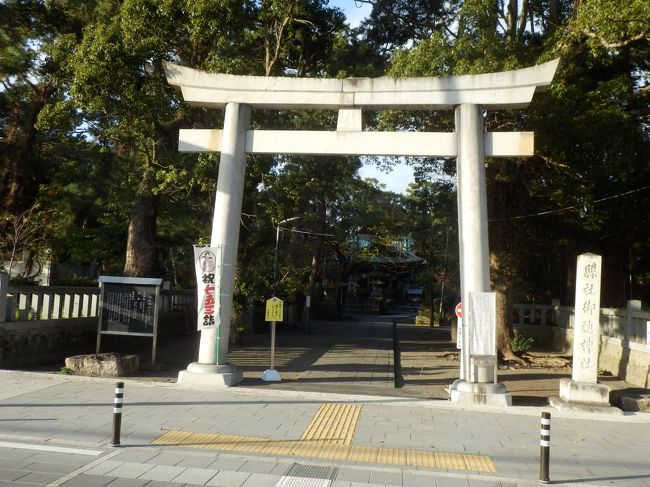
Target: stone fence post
(4,284)
(632,306)
(556,311)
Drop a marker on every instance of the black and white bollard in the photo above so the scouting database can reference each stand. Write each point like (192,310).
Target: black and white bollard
(117,413)
(545,448)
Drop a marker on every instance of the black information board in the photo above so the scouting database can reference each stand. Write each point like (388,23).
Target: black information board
(128,308)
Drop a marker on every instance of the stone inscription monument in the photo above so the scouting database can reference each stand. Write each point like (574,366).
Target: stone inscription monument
(586,328)
(469,96)
(583,391)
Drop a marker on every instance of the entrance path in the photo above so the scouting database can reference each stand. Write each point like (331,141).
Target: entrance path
(356,356)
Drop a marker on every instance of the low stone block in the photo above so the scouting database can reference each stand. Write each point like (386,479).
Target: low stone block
(103,364)
(583,407)
(632,399)
(585,392)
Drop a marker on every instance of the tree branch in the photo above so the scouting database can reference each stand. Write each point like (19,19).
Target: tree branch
(616,45)
(522,20)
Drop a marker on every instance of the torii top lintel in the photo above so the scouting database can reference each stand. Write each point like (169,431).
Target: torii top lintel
(507,89)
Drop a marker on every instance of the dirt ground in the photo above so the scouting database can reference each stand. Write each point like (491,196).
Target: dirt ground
(429,362)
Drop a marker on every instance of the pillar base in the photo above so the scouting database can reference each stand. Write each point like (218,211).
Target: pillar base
(591,392)
(271,375)
(585,397)
(463,392)
(210,375)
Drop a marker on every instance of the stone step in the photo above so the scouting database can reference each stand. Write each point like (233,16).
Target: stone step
(631,399)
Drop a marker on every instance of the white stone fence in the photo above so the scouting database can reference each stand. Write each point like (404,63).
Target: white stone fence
(45,303)
(44,324)
(624,349)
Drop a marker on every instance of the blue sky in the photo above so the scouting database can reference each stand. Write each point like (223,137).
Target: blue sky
(354,11)
(396,181)
(401,175)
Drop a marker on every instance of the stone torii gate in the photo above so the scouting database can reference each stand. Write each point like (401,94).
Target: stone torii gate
(468,95)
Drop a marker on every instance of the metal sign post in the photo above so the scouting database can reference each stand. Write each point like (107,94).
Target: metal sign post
(274,312)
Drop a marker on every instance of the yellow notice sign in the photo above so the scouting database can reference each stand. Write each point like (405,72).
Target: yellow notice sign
(274,308)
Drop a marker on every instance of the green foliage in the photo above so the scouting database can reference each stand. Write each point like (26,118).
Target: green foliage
(76,281)
(66,371)
(24,281)
(591,134)
(87,116)
(520,344)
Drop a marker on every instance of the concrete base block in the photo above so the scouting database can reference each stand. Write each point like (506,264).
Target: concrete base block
(582,407)
(271,375)
(633,399)
(583,397)
(210,375)
(490,394)
(589,392)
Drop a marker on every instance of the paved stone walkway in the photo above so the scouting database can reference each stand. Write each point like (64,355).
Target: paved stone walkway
(356,356)
(55,430)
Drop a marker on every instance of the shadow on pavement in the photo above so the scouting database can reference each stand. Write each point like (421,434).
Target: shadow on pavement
(352,356)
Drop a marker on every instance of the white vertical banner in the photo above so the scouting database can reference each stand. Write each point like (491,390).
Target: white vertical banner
(484,323)
(208,262)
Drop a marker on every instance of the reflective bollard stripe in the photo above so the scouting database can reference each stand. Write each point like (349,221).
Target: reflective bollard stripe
(119,399)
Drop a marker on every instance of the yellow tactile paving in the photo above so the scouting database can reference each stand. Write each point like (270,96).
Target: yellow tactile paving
(329,436)
(334,452)
(418,458)
(333,423)
(329,451)
(394,456)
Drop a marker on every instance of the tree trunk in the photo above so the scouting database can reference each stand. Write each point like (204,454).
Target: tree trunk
(141,251)
(504,324)
(522,21)
(317,247)
(340,277)
(504,249)
(10,169)
(21,144)
(316,256)
(553,15)
(430,299)
(511,20)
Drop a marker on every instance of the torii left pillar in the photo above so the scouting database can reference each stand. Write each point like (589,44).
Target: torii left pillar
(212,367)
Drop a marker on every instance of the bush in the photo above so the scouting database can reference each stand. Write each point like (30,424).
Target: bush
(23,281)
(521,344)
(76,281)
(66,371)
